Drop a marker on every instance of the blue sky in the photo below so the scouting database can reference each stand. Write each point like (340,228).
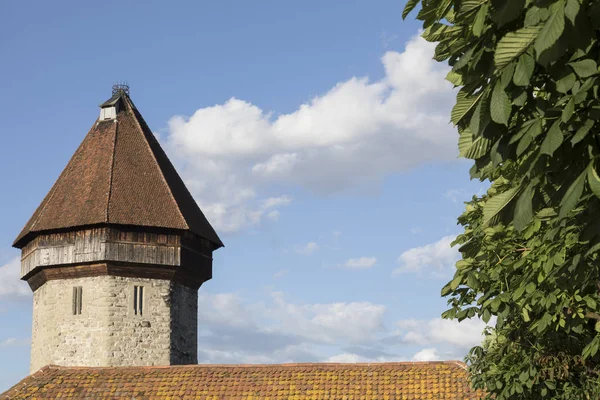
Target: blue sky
(314,136)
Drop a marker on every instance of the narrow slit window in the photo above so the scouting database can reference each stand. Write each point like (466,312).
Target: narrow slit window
(77,299)
(141,300)
(138,300)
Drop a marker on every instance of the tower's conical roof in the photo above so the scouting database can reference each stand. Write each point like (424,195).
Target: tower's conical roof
(119,175)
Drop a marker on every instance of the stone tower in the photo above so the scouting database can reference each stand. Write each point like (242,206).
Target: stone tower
(116,252)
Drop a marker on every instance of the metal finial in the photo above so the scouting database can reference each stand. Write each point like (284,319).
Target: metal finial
(120,87)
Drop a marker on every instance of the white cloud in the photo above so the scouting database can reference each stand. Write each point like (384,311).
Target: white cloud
(429,354)
(437,257)
(360,263)
(346,358)
(285,354)
(327,323)
(307,249)
(272,202)
(357,132)
(356,358)
(276,330)
(461,335)
(224,309)
(273,215)
(11,285)
(280,331)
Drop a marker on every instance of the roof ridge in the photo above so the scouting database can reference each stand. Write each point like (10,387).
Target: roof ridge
(288,365)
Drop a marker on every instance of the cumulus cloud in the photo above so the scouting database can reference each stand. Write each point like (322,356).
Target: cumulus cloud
(437,258)
(360,263)
(276,330)
(11,285)
(460,335)
(353,322)
(307,249)
(357,132)
(426,354)
(280,331)
(357,358)
(429,354)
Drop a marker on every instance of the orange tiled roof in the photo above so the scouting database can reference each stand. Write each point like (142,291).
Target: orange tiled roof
(380,381)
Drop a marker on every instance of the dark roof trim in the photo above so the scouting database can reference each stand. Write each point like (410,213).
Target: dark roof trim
(112,101)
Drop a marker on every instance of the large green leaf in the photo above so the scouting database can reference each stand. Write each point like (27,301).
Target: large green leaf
(455,78)
(566,82)
(584,68)
(582,131)
(410,5)
(439,32)
(479,148)
(535,15)
(472,147)
(572,195)
(553,139)
(524,143)
(443,8)
(524,209)
(495,204)
(464,104)
(524,70)
(500,105)
(467,7)
(480,118)
(593,179)
(513,44)
(571,10)
(553,28)
(464,59)
(479,23)
(568,110)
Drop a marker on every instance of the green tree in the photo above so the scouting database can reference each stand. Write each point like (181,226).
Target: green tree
(528,114)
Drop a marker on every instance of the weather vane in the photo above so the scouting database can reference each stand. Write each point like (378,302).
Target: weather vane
(120,87)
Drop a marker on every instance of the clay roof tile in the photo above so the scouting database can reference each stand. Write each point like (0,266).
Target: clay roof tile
(423,380)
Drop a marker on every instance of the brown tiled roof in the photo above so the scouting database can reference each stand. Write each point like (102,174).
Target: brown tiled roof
(425,380)
(119,175)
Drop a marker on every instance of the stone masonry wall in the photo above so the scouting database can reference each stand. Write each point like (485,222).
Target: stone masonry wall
(184,325)
(107,332)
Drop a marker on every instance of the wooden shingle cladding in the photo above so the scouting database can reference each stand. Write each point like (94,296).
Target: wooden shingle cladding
(420,380)
(119,175)
(122,251)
